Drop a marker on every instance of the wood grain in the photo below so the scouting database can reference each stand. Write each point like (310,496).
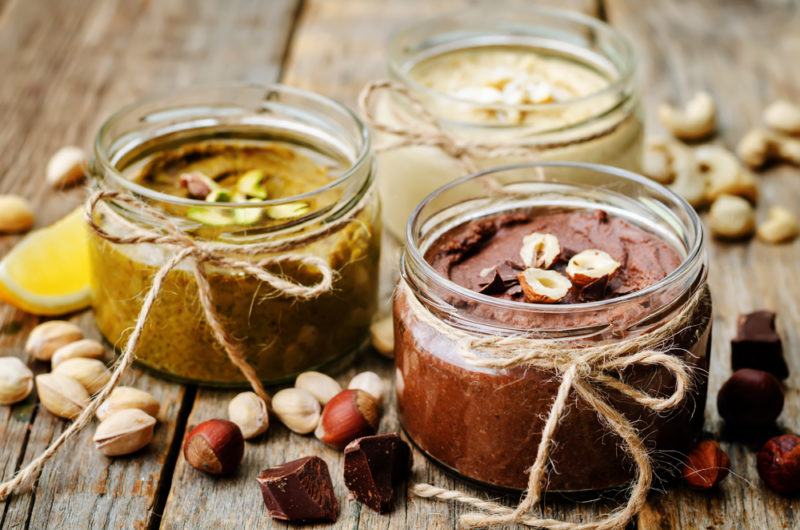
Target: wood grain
(68,64)
(739,52)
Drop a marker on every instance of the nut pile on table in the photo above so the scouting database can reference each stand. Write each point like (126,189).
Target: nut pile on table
(127,418)
(750,402)
(713,175)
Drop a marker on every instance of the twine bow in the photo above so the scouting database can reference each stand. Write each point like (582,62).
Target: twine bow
(200,255)
(584,370)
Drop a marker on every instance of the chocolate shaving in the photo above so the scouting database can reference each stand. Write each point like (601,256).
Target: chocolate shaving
(496,286)
(299,491)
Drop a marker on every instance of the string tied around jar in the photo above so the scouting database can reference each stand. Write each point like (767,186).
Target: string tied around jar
(422,128)
(586,371)
(201,255)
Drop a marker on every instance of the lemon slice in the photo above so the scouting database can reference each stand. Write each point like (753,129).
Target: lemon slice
(47,273)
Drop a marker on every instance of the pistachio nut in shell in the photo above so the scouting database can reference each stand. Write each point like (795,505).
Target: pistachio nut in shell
(91,373)
(49,336)
(124,432)
(61,395)
(16,380)
(126,397)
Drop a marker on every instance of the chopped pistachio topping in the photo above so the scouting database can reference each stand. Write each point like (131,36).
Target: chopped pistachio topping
(246,216)
(219,195)
(288,211)
(251,184)
(209,216)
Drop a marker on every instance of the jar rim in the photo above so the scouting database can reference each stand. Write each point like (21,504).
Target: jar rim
(692,256)
(625,76)
(102,158)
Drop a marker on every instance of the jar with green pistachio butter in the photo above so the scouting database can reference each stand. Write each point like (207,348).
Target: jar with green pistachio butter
(237,168)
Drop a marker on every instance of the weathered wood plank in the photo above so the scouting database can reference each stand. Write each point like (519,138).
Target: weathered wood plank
(740,51)
(67,65)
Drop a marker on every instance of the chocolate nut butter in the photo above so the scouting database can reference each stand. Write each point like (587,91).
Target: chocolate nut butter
(463,264)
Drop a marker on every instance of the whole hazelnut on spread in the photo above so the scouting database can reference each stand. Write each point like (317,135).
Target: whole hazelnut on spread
(349,415)
(214,446)
(750,398)
(706,465)
(778,464)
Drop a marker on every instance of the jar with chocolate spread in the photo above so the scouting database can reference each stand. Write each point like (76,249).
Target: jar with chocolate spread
(553,84)
(246,173)
(572,254)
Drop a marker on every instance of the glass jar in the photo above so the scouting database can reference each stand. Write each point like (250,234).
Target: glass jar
(316,153)
(598,120)
(485,424)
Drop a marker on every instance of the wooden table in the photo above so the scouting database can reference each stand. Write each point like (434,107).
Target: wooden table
(67,64)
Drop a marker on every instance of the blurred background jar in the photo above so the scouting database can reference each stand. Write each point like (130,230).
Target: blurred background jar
(557,84)
(276,163)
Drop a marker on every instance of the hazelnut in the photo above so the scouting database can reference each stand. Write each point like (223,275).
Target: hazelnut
(695,121)
(783,116)
(298,409)
(249,412)
(91,373)
(591,266)
(61,395)
(124,432)
(215,447)
(543,286)
(382,336)
(84,349)
(67,166)
(706,465)
(349,415)
(539,250)
(781,226)
(778,464)
(49,336)
(750,398)
(16,380)
(125,397)
(321,386)
(369,382)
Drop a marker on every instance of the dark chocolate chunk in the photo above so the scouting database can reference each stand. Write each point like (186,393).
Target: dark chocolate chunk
(299,491)
(374,466)
(496,286)
(757,345)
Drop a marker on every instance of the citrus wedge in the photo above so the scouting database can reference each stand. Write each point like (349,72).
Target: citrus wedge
(47,273)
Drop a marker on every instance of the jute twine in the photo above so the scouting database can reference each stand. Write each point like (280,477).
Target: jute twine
(585,370)
(232,258)
(424,129)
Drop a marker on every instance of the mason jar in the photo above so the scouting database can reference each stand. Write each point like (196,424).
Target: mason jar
(559,85)
(310,170)
(485,423)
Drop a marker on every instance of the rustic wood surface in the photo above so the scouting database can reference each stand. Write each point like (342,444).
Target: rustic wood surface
(67,64)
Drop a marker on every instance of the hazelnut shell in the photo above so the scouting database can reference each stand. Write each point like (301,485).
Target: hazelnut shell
(350,414)
(750,398)
(215,447)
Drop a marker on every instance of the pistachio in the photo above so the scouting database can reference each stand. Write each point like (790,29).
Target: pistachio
(16,214)
(382,336)
(16,380)
(124,432)
(209,216)
(251,184)
(198,185)
(126,397)
(288,210)
(298,409)
(67,166)
(369,382)
(62,395)
(321,386)
(91,373)
(219,195)
(249,413)
(246,216)
(84,348)
(46,338)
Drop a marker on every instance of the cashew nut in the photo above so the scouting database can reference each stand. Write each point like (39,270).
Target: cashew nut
(657,161)
(689,183)
(781,226)
(731,217)
(696,120)
(760,146)
(724,174)
(783,116)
